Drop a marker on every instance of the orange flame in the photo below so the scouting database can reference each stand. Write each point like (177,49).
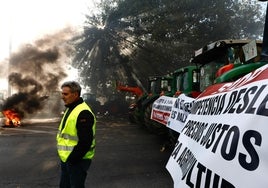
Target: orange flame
(12,118)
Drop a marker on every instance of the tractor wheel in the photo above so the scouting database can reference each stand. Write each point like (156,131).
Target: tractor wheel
(151,125)
(147,119)
(131,116)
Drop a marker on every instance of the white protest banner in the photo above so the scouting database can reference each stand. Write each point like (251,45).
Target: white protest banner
(180,110)
(224,142)
(161,109)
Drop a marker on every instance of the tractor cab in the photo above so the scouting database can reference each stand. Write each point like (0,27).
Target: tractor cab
(159,85)
(227,60)
(186,80)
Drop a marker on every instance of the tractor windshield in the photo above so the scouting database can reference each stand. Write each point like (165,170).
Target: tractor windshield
(184,83)
(179,84)
(196,80)
(166,85)
(159,84)
(154,86)
(207,73)
(224,60)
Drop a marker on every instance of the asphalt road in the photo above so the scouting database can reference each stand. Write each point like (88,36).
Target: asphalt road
(127,156)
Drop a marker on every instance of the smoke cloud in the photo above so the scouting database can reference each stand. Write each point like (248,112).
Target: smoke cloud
(36,70)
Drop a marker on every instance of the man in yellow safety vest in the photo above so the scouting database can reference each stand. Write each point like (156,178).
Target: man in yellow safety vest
(76,137)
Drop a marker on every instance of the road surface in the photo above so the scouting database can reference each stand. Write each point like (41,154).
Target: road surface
(127,156)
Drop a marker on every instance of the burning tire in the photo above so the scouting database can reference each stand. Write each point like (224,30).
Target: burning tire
(12,118)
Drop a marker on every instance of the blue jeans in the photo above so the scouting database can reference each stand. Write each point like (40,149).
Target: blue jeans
(74,175)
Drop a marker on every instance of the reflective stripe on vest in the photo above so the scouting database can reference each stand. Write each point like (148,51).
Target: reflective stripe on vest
(65,148)
(67,138)
(68,148)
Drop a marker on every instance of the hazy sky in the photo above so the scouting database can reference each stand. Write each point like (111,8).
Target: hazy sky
(22,21)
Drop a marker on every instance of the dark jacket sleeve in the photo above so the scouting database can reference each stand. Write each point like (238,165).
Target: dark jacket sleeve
(84,125)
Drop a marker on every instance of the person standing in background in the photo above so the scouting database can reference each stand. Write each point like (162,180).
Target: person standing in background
(75,137)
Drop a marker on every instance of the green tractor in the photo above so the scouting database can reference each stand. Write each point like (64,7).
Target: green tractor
(161,85)
(225,61)
(221,61)
(186,80)
(183,80)
(157,85)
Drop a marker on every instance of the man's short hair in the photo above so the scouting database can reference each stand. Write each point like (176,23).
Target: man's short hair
(73,85)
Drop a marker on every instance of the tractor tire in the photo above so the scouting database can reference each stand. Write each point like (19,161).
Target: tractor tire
(131,117)
(151,125)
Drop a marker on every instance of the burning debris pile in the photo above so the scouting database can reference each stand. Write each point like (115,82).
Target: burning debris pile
(12,118)
(26,101)
(35,71)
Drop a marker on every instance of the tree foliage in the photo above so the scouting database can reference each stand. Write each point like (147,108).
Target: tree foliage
(129,40)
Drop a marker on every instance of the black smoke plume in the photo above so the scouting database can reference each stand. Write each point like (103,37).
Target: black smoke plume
(35,72)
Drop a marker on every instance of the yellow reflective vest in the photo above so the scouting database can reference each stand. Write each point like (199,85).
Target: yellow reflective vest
(67,138)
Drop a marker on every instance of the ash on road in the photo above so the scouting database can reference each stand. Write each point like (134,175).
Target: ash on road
(127,156)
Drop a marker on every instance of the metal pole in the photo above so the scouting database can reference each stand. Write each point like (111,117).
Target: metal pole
(10,51)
